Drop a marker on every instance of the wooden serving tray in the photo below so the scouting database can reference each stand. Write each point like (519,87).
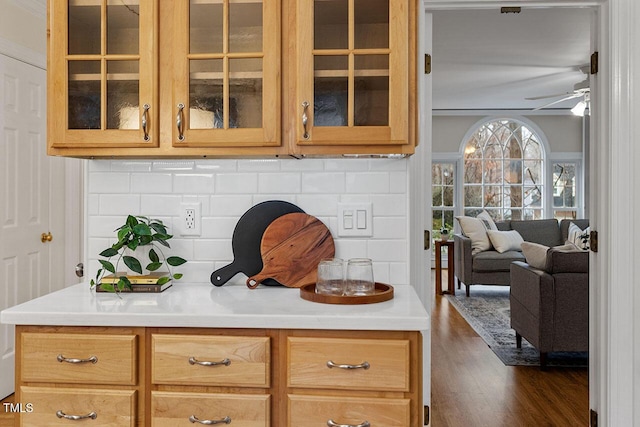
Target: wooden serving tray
(383,292)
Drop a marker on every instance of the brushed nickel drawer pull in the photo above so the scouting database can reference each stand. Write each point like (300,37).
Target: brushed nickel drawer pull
(194,361)
(92,359)
(194,419)
(363,365)
(332,423)
(91,415)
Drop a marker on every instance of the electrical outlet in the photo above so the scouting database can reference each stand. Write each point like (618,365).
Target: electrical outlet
(190,222)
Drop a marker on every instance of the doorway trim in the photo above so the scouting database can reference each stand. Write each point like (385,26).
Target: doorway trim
(613,164)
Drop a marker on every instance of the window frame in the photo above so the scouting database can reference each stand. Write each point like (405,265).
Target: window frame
(544,148)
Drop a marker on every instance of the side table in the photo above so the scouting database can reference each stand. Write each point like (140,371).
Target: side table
(450,267)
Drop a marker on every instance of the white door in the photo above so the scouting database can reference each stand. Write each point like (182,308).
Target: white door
(31,201)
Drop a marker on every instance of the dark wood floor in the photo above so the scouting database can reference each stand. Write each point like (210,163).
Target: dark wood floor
(471,387)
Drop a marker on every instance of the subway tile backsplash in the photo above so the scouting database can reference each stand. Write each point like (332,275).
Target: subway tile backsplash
(228,188)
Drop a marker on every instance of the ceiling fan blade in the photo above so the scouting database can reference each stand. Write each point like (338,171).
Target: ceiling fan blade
(575,95)
(535,98)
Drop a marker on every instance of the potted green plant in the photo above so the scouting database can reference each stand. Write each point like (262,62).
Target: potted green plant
(444,234)
(137,232)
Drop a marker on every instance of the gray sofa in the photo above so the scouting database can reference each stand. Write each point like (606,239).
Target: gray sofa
(493,268)
(550,306)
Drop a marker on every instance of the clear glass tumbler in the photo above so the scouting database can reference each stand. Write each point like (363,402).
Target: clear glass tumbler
(330,279)
(359,277)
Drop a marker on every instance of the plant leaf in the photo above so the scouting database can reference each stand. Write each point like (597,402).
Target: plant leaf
(107,266)
(107,287)
(154,266)
(142,229)
(145,240)
(124,282)
(132,221)
(158,227)
(133,245)
(133,264)
(163,280)
(175,261)
(161,241)
(108,253)
(117,246)
(123,234)
(153,256)
(177,276)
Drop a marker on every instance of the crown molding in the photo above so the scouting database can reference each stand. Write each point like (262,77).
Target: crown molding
(23,54)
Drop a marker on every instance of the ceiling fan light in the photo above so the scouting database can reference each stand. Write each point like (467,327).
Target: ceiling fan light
(579,108)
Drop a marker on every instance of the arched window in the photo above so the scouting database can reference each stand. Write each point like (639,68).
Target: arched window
(503,171)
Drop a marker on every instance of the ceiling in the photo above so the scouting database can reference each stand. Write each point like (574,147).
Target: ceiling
(487,60)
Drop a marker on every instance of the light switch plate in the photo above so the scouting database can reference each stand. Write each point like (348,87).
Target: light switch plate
(355,220)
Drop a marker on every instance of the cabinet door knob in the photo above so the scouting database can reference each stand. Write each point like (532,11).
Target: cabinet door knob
(46,237)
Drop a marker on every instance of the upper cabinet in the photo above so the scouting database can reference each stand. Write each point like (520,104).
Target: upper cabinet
(161,78)
(353,76)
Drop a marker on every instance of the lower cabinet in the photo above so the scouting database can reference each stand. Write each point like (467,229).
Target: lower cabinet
(159,377)
(173,409)
(316,411)
(50,406)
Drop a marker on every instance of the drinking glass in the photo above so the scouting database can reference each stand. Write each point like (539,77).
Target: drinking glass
(359,277)
(330,279)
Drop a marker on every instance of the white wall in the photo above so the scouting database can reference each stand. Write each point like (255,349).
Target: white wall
(564,133)
(228,188)
(23,23)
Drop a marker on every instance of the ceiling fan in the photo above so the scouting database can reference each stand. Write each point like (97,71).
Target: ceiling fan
(580,90)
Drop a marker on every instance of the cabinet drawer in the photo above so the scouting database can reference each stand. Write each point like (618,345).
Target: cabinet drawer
(314,411)
(49,404)
(174,409)
(210,360)
(86,359)
(309,359)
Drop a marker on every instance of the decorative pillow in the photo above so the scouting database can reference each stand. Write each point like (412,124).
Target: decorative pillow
(504,241)
(474,229)
(536,254)
(578,236)
(489,224)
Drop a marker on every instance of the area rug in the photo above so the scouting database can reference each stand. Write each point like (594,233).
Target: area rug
(487,311)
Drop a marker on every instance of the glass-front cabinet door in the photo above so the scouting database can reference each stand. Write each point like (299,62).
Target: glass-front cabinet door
(226,57)
(353,78)
(103,77)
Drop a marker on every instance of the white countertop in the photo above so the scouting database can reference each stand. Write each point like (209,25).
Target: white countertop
(207,306)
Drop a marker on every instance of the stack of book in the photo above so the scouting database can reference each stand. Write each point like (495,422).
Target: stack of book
(145,283)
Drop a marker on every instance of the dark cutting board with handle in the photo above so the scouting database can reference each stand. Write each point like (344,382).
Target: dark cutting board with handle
(247,237)
(292,247)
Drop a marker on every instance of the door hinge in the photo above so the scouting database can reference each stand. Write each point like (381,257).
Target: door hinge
(427,240)
(427,63)
(593,418)
(593,241)
(594,63)
(426,415)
